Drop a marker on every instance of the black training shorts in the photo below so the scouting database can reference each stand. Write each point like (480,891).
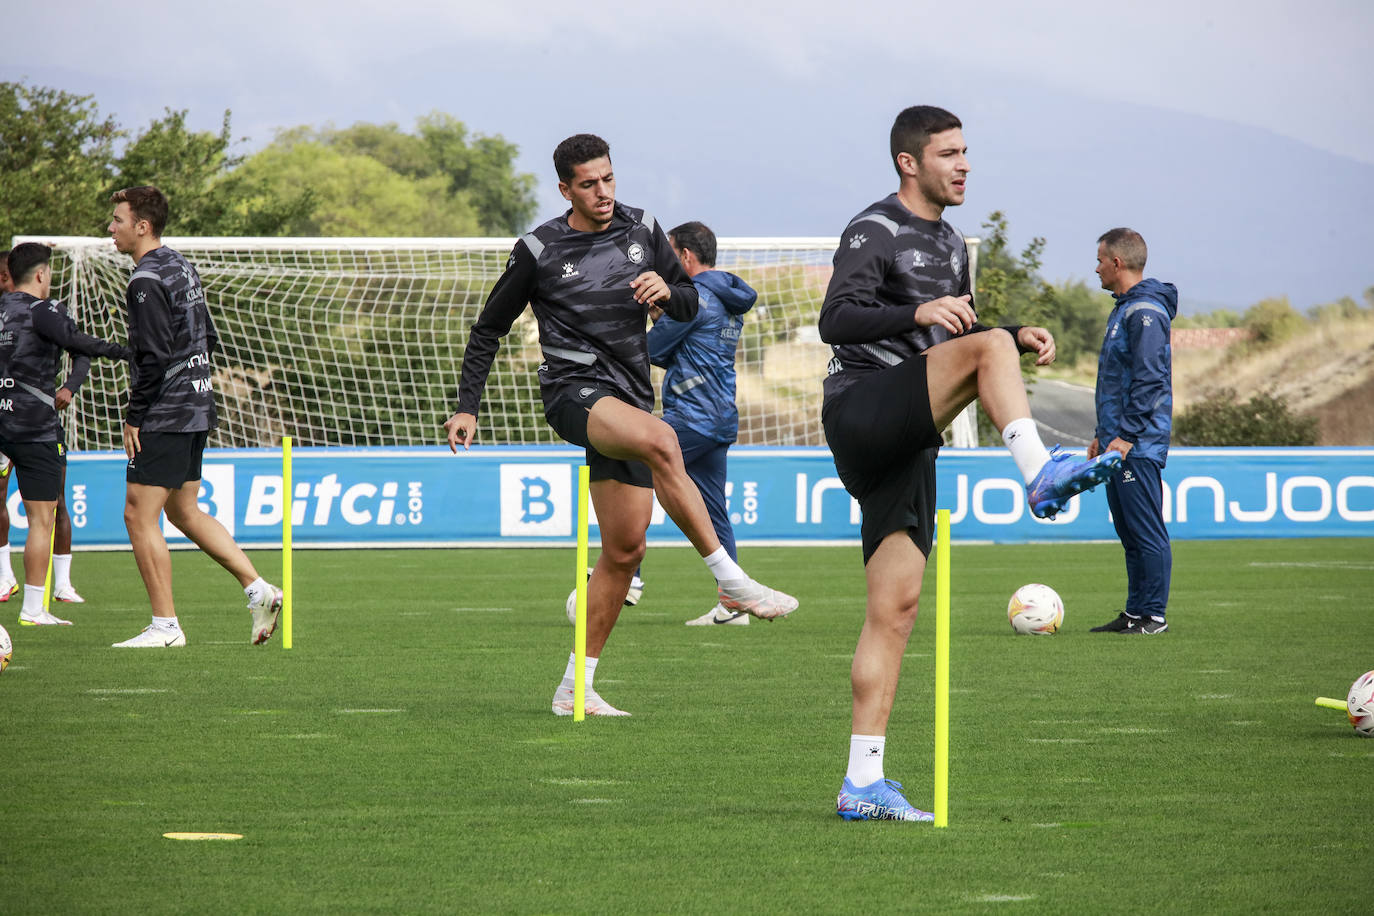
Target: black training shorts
(39,467)
(567,414)
(883,437)
(167,459)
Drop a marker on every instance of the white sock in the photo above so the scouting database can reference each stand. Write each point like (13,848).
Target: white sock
(1029,453)
(7,571)
(255,589)
(166,623)
(33,599)
(589,668)
(61,571)
(865,759)
(724,568)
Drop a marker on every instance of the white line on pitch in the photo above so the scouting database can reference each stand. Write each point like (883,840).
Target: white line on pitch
(122,690)
(365,711)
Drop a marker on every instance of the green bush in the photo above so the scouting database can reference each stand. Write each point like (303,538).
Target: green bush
(1263,420)
(1273,320)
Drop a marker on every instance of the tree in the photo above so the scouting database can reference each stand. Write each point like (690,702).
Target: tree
(348,194)
(1078,320)
(55,155)
(1009,287)
(479,173)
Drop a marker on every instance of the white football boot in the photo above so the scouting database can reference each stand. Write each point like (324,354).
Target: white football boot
(265,614)
(755,598)
(719,615)
(68,595)
(41,618)
(154,638)
(593,704)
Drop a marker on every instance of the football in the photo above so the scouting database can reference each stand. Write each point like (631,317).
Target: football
(1359,704)
(572,607)
(6,649)
(1035,610)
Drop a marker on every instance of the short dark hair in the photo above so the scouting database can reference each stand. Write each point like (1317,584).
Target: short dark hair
(575,150)
(25,259)
(912,130)
(1126,244)
(146,202)
(698,239)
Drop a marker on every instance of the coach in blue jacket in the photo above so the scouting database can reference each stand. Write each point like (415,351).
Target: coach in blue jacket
(699,385)
(1134,417)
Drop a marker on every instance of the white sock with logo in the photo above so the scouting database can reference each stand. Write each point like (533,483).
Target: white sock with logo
(1029,453)
(256,590)
(724,568)
(865,759)
(33,599)
(61,571)
(570,672)
(167,623)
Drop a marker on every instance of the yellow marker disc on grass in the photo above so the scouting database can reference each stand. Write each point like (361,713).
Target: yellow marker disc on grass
(203,836)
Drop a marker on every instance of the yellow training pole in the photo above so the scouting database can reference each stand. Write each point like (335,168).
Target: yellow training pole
(47,579)
(286,542)
(580,628)
(942,668)
(1332,704)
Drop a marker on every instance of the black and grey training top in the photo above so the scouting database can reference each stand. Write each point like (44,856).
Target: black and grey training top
(889,262)
(591,329)
(33,334)
(172,337)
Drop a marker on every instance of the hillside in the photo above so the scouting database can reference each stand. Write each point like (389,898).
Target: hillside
(1326,371)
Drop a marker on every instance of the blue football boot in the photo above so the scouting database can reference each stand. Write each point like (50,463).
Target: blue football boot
(1064,477)
(880,801)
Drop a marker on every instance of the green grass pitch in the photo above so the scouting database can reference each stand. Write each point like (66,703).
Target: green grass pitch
(402,758)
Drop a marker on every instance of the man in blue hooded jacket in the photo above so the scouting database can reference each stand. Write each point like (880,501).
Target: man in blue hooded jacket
(699,384)
(1134,417)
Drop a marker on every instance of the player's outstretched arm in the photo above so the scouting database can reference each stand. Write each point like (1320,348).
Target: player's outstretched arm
(461,427)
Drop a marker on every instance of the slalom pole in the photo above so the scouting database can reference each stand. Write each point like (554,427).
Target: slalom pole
(942,668)
(52,545)
(580,627)
(286,513)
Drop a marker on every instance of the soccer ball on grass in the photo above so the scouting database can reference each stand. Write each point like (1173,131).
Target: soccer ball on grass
(1359,705)
(1035,610)
(6,649)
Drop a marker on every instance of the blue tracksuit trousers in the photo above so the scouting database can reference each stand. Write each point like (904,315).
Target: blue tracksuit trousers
(705,461)
(1135,495)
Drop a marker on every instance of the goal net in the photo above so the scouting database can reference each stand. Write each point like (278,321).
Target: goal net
(358,342)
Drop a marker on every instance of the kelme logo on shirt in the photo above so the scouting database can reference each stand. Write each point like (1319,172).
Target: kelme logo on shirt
(569,270)
(857,240)
(635,253)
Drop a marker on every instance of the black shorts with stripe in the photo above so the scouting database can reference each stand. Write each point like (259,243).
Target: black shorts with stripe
(567,413)
(883,437)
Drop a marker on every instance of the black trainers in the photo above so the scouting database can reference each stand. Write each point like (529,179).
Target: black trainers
(1121,624)
(1148,626)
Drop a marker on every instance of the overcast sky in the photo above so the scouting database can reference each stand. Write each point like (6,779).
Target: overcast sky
(652,76)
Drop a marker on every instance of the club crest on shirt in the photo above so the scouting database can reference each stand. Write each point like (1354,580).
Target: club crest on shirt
(954,262)
(635,253)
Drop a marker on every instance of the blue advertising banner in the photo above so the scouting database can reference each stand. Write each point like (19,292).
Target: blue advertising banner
(415,497)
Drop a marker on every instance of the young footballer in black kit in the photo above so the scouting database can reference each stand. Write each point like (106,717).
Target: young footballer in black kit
(170,414)
(908,356)
(591,276)
(34,332)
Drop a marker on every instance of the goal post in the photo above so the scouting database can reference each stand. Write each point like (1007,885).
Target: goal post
(358,341)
